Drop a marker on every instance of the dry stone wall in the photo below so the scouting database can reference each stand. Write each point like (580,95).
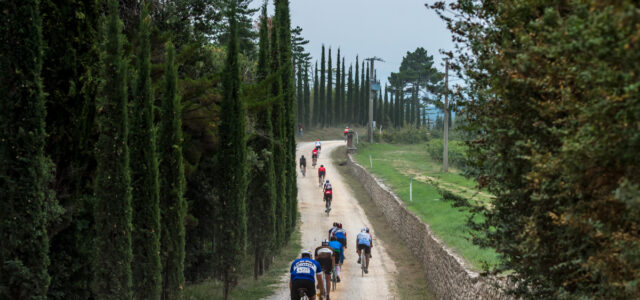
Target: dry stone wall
(447,275)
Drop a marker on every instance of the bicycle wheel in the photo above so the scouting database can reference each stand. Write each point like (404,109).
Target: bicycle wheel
(334,279)
(363,262)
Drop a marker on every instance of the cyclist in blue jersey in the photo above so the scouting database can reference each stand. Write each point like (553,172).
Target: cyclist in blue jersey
(341,235)
(364,242)
(339,250)
(304,272)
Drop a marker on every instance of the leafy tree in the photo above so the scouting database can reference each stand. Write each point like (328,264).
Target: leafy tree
(553,117)
(113,254)
(172,204)
(146,268)
(23,179)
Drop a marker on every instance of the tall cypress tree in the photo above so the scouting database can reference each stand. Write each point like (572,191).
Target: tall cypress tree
(146,268)
(385,107)
(299,92)
(232,175)
(173,207)
(343,98)
(316,97)
(283,20)
(261,195)
(307,96)
(330,114)
(350,90)
(24,251)
(113,181)
(355,96)
(364,111)
(322,114)
(279,155)
(338,101)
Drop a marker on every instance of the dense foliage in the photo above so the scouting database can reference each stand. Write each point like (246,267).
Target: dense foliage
(555,122)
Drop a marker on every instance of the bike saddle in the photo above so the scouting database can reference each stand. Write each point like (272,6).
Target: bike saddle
(302,292)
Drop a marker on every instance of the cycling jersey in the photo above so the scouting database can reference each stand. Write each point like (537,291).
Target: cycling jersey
(328,192)
(364,239)
(340,234)
(332,230)
(322,171)
(314,154)
(337,247)
(346,131)
(327,186)
(318,144)
(324,251)
(305,268)
(303,161)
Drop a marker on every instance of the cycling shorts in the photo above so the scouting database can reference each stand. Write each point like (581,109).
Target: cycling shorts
(366,248)
(343,242)
(314,156)
(325,263)
(336,254)
(328,197)
(321,174)
(302,284)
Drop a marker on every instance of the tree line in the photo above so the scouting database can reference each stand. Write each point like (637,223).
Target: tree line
(145,145)
(341,98)
(552,118)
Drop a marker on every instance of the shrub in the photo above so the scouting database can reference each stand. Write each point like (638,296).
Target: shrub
(457,152)
(407,135)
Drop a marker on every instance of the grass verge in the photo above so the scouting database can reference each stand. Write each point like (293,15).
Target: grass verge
(396,164)
(410,280)
(247,287)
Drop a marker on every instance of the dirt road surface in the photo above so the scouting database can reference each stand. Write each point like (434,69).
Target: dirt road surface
(378,284)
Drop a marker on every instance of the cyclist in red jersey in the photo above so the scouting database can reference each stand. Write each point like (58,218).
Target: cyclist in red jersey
(322,172)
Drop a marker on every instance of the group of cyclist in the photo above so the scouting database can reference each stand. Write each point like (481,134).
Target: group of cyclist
(327,189)
(307,271)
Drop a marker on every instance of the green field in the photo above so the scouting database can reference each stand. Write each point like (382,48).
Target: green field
(248,288)
(396,164)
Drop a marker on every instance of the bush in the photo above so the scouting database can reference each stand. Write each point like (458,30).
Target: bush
(457,152)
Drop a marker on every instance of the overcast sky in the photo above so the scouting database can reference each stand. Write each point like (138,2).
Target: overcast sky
(383,28)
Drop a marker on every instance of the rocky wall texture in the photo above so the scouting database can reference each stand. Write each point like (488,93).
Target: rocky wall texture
(448,277)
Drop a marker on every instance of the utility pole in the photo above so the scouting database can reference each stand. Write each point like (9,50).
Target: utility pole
(445,154)
(371,95)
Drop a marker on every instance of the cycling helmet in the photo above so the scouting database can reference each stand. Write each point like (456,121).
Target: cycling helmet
(364,229)
(367,229)
(339,225)
(335,224)
(317,140)
(305,252)
(322,166)
(327,180)
(325,242)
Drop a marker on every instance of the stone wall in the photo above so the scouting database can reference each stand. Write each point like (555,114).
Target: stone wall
(447,275)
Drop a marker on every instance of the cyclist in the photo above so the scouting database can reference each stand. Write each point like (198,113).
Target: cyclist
(364,242)
(325,256)
(304,272)
(328,195)
(341,235)
(318,145)
(314,156)
(303,165)
(339,255)
(346,131)
(333,229)
(322,172)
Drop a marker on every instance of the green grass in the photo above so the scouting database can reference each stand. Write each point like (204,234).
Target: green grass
(395,164)
(327,134)
(247,287)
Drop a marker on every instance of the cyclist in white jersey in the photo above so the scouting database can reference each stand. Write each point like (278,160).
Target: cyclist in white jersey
(364,242)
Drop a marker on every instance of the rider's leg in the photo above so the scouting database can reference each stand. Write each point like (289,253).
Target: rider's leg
(358,251)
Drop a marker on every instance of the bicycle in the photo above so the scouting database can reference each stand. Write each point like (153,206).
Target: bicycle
(363,262)
(303,170)
(325,285)
(320,180)
(303,294)
(334,279)
(314,162)
(327,206)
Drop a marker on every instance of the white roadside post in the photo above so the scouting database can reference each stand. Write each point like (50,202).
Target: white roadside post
(370,161)
(411,189)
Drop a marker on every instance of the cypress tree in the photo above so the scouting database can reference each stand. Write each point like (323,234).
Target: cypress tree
(322,114)
(113,208)
(385,107)
(288,89)
(173,207)
(355,96)
(23,176)
(330,113)
(299,92)
(338,101)
(146,268)
(232,175)
(307,96)
(316,98)
(349,100)
(343,98)
(279,148)
(364,111)
(261,195)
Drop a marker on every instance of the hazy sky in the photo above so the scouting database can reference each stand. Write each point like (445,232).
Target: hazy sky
(383,28)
